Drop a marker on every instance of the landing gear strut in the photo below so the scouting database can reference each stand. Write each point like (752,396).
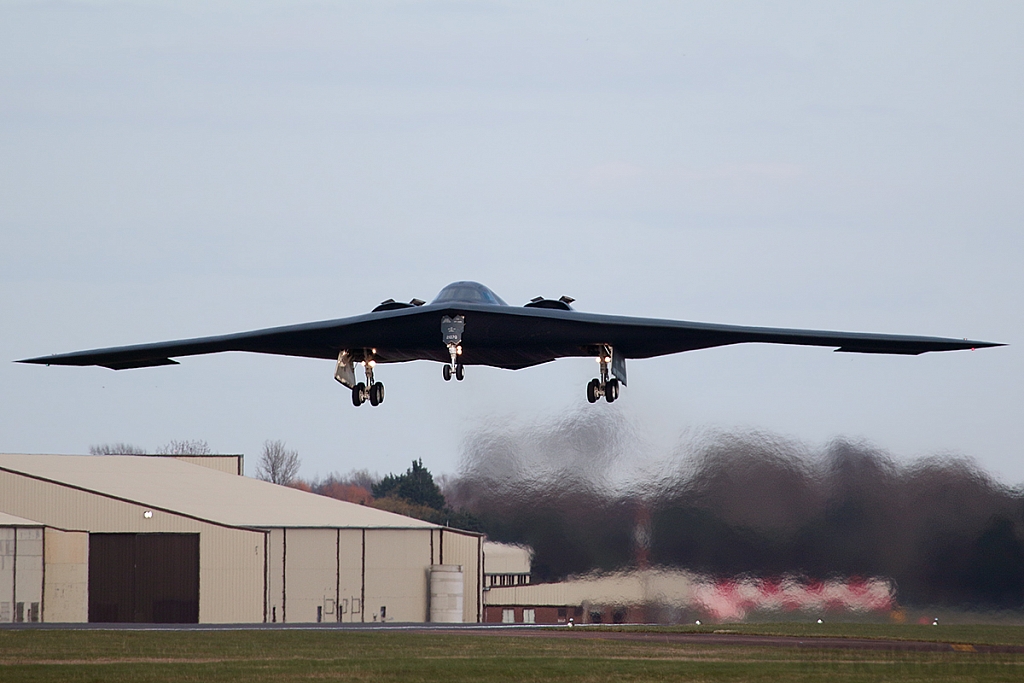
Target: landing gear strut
(369,391)
(605,385)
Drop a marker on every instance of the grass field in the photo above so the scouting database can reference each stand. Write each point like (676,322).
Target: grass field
(951,633)
(87,656)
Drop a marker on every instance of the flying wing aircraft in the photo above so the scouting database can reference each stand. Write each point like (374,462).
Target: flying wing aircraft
(468,324)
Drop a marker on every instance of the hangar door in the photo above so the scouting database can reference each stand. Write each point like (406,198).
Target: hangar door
(144,578)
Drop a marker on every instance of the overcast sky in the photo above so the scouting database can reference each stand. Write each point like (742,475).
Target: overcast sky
(174,169)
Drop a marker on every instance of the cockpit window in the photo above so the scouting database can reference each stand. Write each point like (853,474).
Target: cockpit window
(468,293)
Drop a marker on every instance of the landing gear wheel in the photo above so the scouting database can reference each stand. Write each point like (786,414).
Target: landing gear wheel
(592,390)
(611,390)
(376,394)
(357,394)
(446,372)
(460,372)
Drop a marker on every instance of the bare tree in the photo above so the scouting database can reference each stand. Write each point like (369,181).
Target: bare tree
(278,464)
(185,447)
(361,478)
(119,448)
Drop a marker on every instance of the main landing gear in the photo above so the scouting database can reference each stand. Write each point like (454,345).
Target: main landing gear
(605,385)
(368,391)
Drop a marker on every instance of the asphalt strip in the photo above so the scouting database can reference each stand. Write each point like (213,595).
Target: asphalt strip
(578,632)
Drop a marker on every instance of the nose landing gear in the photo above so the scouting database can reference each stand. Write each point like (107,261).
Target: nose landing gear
(451,334)
(459,372)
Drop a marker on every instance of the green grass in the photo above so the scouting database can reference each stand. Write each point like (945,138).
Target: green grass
(951,633)
(89,656)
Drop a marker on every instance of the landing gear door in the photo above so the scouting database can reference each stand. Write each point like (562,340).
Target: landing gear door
(618,366)
(451,329)
(345,371)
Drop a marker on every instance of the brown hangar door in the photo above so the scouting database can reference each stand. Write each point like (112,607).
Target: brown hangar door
(144,578)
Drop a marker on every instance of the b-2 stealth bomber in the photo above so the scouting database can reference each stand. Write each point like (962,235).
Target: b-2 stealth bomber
(468,324)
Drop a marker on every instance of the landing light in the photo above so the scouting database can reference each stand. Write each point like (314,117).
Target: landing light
(148,514)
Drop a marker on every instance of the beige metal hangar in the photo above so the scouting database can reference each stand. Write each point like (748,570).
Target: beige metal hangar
(161,539)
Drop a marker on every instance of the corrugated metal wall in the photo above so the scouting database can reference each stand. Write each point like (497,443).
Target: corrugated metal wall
(466,550)
(65,576)
(397,578)
(274,561)
(363,575)
(351,569)
(231,464)
(21,574)
(312,574)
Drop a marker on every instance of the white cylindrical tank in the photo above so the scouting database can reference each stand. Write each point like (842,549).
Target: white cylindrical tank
(446,593)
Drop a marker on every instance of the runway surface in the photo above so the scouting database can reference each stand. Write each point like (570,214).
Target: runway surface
(714,639)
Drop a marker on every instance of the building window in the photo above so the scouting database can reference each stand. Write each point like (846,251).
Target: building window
(529,616)
(508,616)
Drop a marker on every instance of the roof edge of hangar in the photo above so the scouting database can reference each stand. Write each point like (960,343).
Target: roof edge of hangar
(7,519)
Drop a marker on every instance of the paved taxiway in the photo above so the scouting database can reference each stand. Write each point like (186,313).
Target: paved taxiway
(719,639)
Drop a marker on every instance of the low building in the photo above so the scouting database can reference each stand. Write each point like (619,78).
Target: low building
(623,597)
(506,564)
(166,539)
(672,596)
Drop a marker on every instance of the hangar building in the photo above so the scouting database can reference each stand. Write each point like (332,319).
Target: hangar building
(187,540)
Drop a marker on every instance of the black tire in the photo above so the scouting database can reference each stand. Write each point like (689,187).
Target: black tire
(380,392)
(446,372)
(592,387)
(460,372)
(611,390)
(357,394)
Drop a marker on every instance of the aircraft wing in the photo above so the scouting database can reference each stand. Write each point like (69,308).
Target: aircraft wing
(644,338)
(502,336)
(323,339)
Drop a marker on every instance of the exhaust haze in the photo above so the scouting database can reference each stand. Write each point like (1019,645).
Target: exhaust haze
(751,503)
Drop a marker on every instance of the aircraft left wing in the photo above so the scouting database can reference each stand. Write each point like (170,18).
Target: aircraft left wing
(401,328)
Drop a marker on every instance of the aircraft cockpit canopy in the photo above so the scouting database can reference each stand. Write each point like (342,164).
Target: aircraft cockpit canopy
(468,293)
